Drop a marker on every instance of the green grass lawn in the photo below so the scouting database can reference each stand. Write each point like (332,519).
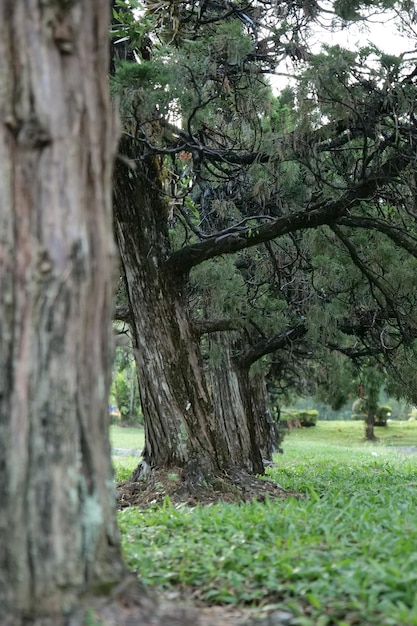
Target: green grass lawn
(122,440)
(397,433)
(343,554)
(127,438)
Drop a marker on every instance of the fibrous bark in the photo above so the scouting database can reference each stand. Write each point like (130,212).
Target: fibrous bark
(58,534)
(232,395)
(266,431)
(180,429)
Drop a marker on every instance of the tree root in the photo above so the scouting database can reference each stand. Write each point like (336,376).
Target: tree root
(175,484)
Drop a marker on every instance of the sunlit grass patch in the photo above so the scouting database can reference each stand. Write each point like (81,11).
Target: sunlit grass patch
(123,467)
(351,433)
(127,445)
(128,438)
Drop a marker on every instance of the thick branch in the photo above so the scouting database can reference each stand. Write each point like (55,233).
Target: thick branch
(327,212)
(326,138)
(398,235)
(271,344)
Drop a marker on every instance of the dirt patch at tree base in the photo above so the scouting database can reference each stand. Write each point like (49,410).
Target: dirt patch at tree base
(169,614)
(132,606)
(237,486)
(129,604)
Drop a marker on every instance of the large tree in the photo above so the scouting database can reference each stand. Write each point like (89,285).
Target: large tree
(183,428)
(58,534)
(235,174)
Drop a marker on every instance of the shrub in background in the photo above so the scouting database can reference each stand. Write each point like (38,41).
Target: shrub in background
(299,419)
(383,412)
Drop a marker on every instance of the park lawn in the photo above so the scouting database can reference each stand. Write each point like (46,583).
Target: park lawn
(345,553)
(127,437)
(396,433)
(125,440)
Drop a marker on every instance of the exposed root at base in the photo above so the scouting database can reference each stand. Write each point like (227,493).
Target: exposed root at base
(236,486)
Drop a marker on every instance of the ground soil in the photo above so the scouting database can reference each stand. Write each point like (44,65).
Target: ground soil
(130,605)
(234,487)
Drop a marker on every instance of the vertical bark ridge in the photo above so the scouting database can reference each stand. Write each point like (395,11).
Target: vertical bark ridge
(178,414)
(56,255)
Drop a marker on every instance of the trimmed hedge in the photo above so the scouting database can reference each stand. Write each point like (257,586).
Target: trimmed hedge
(382,414)
(299,419)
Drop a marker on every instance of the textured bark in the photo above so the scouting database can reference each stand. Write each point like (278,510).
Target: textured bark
(266,432)
(369,426)
(241,401)
(180,428)
(58,534)
(234,409)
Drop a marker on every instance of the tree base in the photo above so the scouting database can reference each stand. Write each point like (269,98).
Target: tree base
(175,484)
(126,604)
(129,604)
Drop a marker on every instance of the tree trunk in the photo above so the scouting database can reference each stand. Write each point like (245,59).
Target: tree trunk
(373,381)
(240,398)
(58,535)
(369,426)
(180,429)
(267,435)
(232,398)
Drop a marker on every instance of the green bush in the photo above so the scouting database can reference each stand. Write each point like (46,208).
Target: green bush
(125,395)
(308,418)
(382,414)
(292,418)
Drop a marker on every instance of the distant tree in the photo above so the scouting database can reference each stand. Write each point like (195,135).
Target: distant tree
(372,380)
